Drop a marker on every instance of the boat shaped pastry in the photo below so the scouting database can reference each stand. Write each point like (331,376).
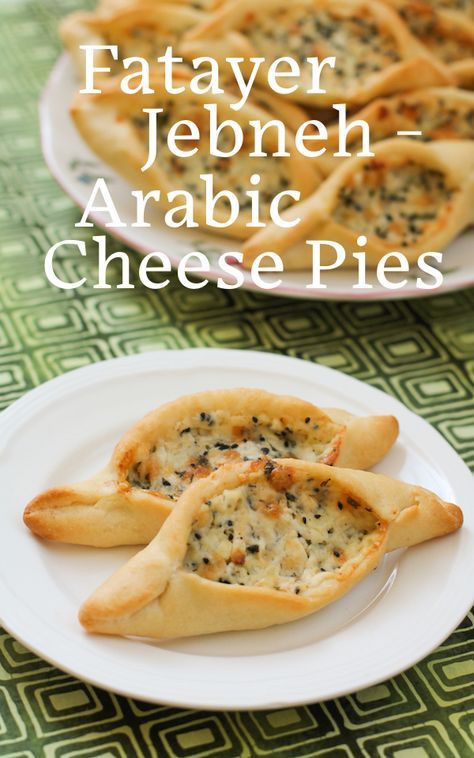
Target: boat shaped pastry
(144,29)
(440,113)
(115,127)
(187,439)
(263,543)
(411,197)
(376,54)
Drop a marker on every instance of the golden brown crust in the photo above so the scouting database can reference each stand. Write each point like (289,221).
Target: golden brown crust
(452,161)
(107,510)
(155,595)
(228,31)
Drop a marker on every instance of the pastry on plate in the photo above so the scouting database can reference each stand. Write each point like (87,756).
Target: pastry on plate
(376,54)
(440,113)
(412,197)
(263,543)
(158,458)
(144,29)
(115,127)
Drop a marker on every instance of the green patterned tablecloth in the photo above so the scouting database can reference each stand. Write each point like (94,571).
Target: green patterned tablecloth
(420,351)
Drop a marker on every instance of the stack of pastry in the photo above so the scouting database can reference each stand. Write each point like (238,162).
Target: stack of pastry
(255,510)
(402,65)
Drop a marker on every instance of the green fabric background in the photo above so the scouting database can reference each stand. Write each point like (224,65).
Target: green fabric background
(420,351)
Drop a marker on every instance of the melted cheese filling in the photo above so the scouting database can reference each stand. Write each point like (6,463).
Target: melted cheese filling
(282,539)
(209,441)
(463,6)
(397,203)
(445,43)
(361,47)
(435,117)
(229,173)
(148,41)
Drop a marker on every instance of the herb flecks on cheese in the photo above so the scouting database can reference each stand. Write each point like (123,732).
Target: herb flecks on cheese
(279,537)
(397,202)
(142,41)
(435,116)
(208,441)
(462,6)
(362,48)
(447,43)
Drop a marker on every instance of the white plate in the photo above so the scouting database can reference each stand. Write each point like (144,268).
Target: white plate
(76,168)
(66,429)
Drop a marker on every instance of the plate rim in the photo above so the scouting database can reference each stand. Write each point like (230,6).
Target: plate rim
(286,290)
(157,359)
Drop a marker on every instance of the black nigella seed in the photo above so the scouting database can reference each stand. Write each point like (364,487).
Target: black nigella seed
(304,519)
(297,591)
(165,483)
(230,522)
(265,450)
(330,531)
(336,553)
(268,468)
(253,549)
(340,505)
(290,497)
(255,419)
(205,560)
(197,535)
(307,420)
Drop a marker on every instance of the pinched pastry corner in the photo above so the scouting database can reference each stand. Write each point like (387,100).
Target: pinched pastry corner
(185,440)
(263,543)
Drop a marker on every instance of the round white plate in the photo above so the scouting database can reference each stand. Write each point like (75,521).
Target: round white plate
(76,168)
(66,429)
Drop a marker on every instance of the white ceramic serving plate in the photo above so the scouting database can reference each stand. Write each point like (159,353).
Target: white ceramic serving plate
(76,168)
(66,429)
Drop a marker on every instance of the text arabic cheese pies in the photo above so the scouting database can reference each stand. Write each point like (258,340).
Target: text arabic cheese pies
(438,112)
(115,127)
(159,457)
(375,52)
(263,543)
(411,197)
(144,29)
(448,35)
